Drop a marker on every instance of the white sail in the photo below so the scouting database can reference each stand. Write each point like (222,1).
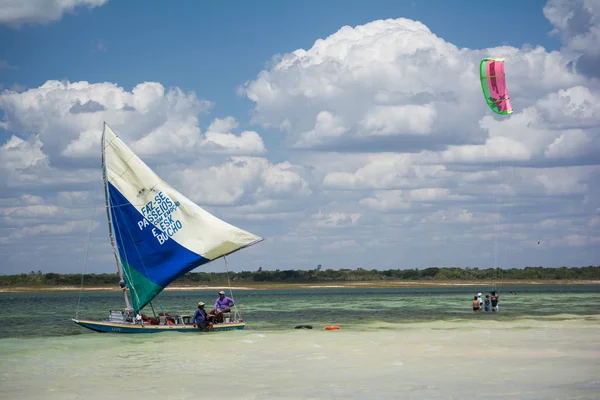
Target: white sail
(160,233)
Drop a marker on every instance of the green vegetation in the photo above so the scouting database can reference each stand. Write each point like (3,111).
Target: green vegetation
(318,276)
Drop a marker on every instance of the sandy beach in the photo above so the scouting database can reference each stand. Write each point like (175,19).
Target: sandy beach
(323,285)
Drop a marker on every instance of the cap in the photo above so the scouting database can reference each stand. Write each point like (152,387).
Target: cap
(221,292)
(479,294)
(201,303)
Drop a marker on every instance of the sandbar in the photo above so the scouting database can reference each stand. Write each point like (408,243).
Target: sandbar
(310,285)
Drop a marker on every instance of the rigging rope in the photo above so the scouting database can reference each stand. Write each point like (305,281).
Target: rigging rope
(129,280)
(497,212)
(509,212)
(497,270)
(235,314)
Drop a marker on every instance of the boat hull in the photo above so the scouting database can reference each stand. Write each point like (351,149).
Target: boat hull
(115,327)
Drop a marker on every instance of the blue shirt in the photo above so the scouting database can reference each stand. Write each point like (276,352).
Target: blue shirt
(198,316)
(224,303)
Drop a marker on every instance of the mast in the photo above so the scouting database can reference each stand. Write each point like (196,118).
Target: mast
(110,229)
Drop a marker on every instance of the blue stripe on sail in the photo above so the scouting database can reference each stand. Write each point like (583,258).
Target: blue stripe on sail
(142,250)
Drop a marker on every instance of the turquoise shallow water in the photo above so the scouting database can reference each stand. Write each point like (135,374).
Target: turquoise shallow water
(394,343)
(358,308)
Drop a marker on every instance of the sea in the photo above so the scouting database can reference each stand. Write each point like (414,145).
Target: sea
(393,343)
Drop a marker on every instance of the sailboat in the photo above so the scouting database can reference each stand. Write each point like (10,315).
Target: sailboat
(157,235)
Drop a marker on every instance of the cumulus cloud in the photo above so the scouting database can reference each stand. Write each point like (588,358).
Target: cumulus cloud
(18,12)
(155,121)
(218,138)
(393,124)
(18,154)
(577,23)
(397,83)
(246,180)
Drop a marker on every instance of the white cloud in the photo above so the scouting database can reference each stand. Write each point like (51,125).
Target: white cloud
(389,120)
(218,139)
(69,117)
(18,12)
(30,211)
(563,124)
(382,171)
(65,228)
(396,81)
(335,219)
(242,180)
(576,240)
(577,23)
(18,154)
(404,199)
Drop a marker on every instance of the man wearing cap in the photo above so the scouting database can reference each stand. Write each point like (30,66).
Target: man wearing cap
(480,301)
(222,305)
(200,318)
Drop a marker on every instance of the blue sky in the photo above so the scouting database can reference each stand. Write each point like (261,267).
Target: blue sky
(311,186)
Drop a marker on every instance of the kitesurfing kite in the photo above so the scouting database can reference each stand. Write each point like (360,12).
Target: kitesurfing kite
(493,83)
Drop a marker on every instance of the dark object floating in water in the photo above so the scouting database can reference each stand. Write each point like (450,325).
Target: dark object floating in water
(303,327)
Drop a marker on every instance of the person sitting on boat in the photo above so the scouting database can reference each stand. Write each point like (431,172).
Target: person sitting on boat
(222,305)
(200,318)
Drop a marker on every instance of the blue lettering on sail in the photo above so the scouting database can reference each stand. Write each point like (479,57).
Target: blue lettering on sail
(158,213)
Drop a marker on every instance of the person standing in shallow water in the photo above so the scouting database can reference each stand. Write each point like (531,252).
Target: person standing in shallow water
(476,304)
(486,303)
(494,301)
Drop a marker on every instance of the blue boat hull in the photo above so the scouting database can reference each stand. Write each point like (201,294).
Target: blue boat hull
(112,327)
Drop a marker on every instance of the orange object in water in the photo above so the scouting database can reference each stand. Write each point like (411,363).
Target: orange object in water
(332,327)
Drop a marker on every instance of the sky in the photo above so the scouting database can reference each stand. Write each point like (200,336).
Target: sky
(348,134)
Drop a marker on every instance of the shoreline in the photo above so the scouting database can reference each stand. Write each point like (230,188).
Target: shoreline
(320,285)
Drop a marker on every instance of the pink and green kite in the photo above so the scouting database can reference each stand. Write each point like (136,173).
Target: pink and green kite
(493,83)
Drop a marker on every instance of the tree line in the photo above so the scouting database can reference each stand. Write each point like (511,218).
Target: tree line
(319,275)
